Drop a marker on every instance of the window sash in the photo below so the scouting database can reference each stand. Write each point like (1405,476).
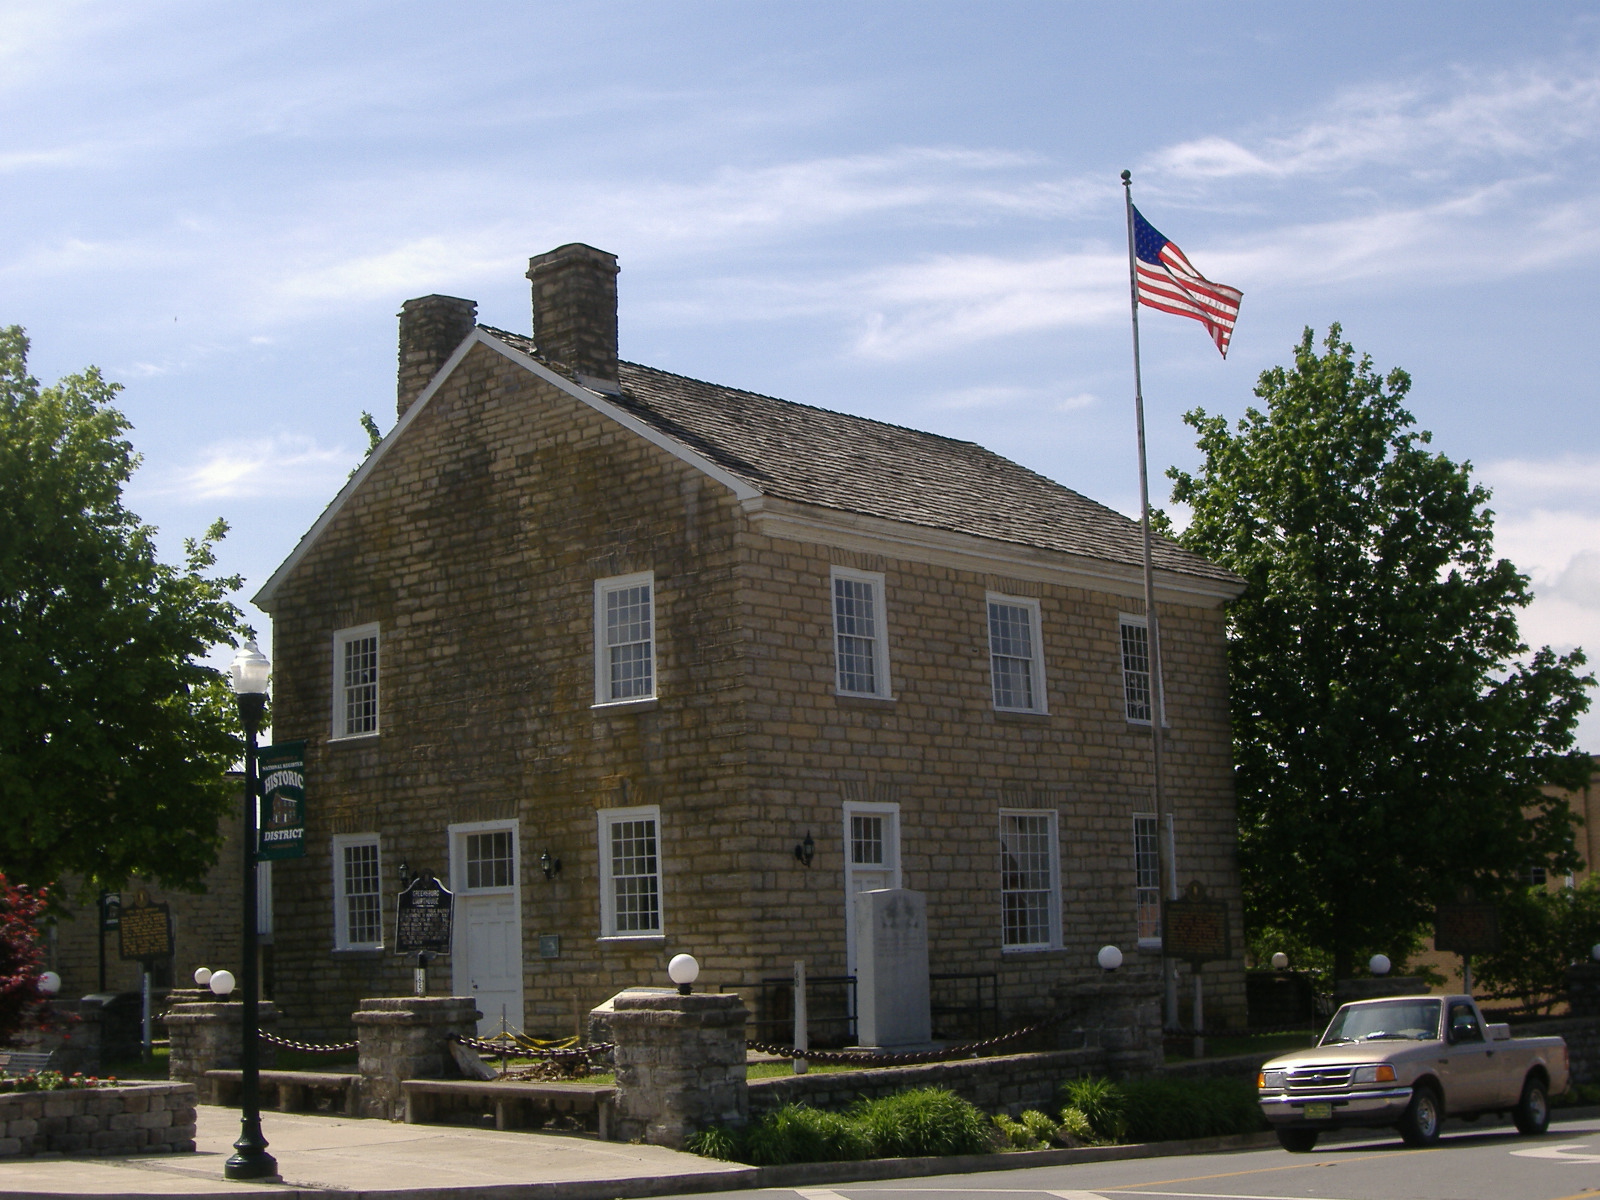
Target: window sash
(625,648)
(358,893)
(1016,664)
(356,675)
(490,859)
(1029,880)
(1146,878)
(860,648)
(1135,670)
(631,858)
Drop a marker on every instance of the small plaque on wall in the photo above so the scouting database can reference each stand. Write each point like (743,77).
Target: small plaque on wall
(549,945)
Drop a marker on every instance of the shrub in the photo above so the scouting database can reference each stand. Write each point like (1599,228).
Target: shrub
(1075,1126)
(22,1004)
(921,1122)
(798,1133)
(1103,1107)
(1164,1110)
(53,1081)
(1033,1130)
(715,1142)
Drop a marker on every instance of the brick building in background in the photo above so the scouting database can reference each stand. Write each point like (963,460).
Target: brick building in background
(666,633)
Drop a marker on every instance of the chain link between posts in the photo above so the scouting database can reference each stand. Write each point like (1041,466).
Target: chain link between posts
(872,1058)
(308,1047)
(525,1047)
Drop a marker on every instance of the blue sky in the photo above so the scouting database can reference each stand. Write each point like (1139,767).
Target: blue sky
(907,211)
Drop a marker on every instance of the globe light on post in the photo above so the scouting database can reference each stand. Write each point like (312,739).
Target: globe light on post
(1280,961)
(1109,958)
(683,970)
(1594,952)
(202,976)
(221,984)
(1379,964)
(49,983)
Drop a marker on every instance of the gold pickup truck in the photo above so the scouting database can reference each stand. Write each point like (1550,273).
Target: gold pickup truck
(1409,1062)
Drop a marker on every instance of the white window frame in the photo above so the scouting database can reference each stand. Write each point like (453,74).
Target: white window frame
(602,652)
(341,910)
(1053,914)
(880,641)
(608,896)
(1137,621)
(1144,894)
(340,714)
(1036,646)
(459,833)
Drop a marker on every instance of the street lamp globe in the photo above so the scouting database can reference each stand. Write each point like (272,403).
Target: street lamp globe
(1109,958)
(249,670)
(683,970)
(1379,964)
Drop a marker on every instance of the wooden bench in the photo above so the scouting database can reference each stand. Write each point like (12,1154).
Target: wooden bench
(292,1088)
(20,1062)
(509,1097)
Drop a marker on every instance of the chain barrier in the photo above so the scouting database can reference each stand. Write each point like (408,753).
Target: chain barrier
(308,1047)
(871,1058)
(530,1048)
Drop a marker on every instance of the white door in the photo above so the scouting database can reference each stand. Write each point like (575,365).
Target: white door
(486,958)
(871,861)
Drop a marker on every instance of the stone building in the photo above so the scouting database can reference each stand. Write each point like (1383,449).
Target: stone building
(642,665)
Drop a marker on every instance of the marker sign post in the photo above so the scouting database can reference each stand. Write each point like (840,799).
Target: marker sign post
(422,924)
(144,932)
(281,819)
(1195,928)
(1466,928)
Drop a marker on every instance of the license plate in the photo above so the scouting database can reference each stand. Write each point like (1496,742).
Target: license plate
(1321,1110)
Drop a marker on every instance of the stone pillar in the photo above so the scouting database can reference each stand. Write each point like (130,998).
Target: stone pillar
(680,1065)
(1120,1015)
(408,1037)
(210,1037)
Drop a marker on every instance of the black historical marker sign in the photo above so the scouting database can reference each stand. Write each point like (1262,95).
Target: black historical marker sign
(1471,928)
(1195,928)
(423,920)
(146,931)
(283,802)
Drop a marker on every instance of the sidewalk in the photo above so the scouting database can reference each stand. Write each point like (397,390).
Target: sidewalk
(359,1159)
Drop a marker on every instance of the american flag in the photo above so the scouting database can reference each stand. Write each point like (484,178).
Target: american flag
(1169,282)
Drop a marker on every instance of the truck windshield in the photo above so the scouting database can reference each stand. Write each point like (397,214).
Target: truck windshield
(1407,1020)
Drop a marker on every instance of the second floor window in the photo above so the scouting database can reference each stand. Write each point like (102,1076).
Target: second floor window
(1135,669)
(861,649)
(624,636)
(1016,659)
(355,682)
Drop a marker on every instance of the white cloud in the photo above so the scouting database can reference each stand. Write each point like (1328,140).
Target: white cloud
(282,466)
(1569,476)
(998,396)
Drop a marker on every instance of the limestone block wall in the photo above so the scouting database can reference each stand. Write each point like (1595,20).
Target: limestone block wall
(407,1037)
(210,1037)
(98,1121)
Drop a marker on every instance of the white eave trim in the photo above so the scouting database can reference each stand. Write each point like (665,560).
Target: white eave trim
(741,490)
(966,552)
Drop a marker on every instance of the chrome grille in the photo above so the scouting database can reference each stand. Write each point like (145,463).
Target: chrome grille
(1319,1077)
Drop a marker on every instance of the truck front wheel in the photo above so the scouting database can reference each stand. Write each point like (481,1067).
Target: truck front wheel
(1298,1141)
(1423,1116)
(1533,1110)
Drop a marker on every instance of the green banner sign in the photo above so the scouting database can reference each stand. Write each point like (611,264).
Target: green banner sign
(282,819)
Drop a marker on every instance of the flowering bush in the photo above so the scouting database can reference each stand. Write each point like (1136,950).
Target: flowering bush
(53,1081)
(22,1004)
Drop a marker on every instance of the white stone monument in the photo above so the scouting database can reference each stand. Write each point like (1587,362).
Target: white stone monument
(892,1004)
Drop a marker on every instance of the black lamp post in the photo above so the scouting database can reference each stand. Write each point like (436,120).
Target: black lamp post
(250,1159)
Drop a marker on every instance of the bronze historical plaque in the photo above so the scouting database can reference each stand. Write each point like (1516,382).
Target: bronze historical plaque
(146,932)
(1470,928)
(1195,928)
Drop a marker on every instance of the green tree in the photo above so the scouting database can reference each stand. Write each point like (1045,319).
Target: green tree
(1389,745)
(114,736)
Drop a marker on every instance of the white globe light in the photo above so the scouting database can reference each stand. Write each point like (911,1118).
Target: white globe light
(49,983)
(1109,958)
(1379,964)
(202,976)
(683,969)
(250,670)
(1280,960)
(1594,952)
(221,983)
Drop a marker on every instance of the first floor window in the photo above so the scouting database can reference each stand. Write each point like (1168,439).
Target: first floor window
(630,872)
(357,892)
(1135,669)
(355,682)
(1147,879)
(1016,658)
(624,638)
(861,648)
(1535,875)
(1030,884)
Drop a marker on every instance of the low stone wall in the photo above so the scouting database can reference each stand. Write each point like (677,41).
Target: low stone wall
(156,1117)
(1009,1084)
(1582,1035)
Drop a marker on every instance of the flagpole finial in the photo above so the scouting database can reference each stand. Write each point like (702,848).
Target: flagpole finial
(1127,178)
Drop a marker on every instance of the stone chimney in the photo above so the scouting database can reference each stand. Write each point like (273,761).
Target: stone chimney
(431,327)
(575,311)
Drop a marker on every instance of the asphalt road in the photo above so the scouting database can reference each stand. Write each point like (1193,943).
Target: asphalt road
(1495,1164)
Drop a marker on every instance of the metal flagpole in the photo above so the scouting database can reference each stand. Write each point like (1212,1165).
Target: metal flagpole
(1165,869)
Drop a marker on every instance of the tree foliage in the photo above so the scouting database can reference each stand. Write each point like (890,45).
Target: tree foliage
(1390,747)
(1541,932)
(114,736)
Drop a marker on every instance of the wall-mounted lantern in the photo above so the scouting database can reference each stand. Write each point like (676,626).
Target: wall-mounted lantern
(549,864)
(806,851)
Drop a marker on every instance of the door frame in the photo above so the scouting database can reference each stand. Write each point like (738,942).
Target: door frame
(456,835)
(854,808)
